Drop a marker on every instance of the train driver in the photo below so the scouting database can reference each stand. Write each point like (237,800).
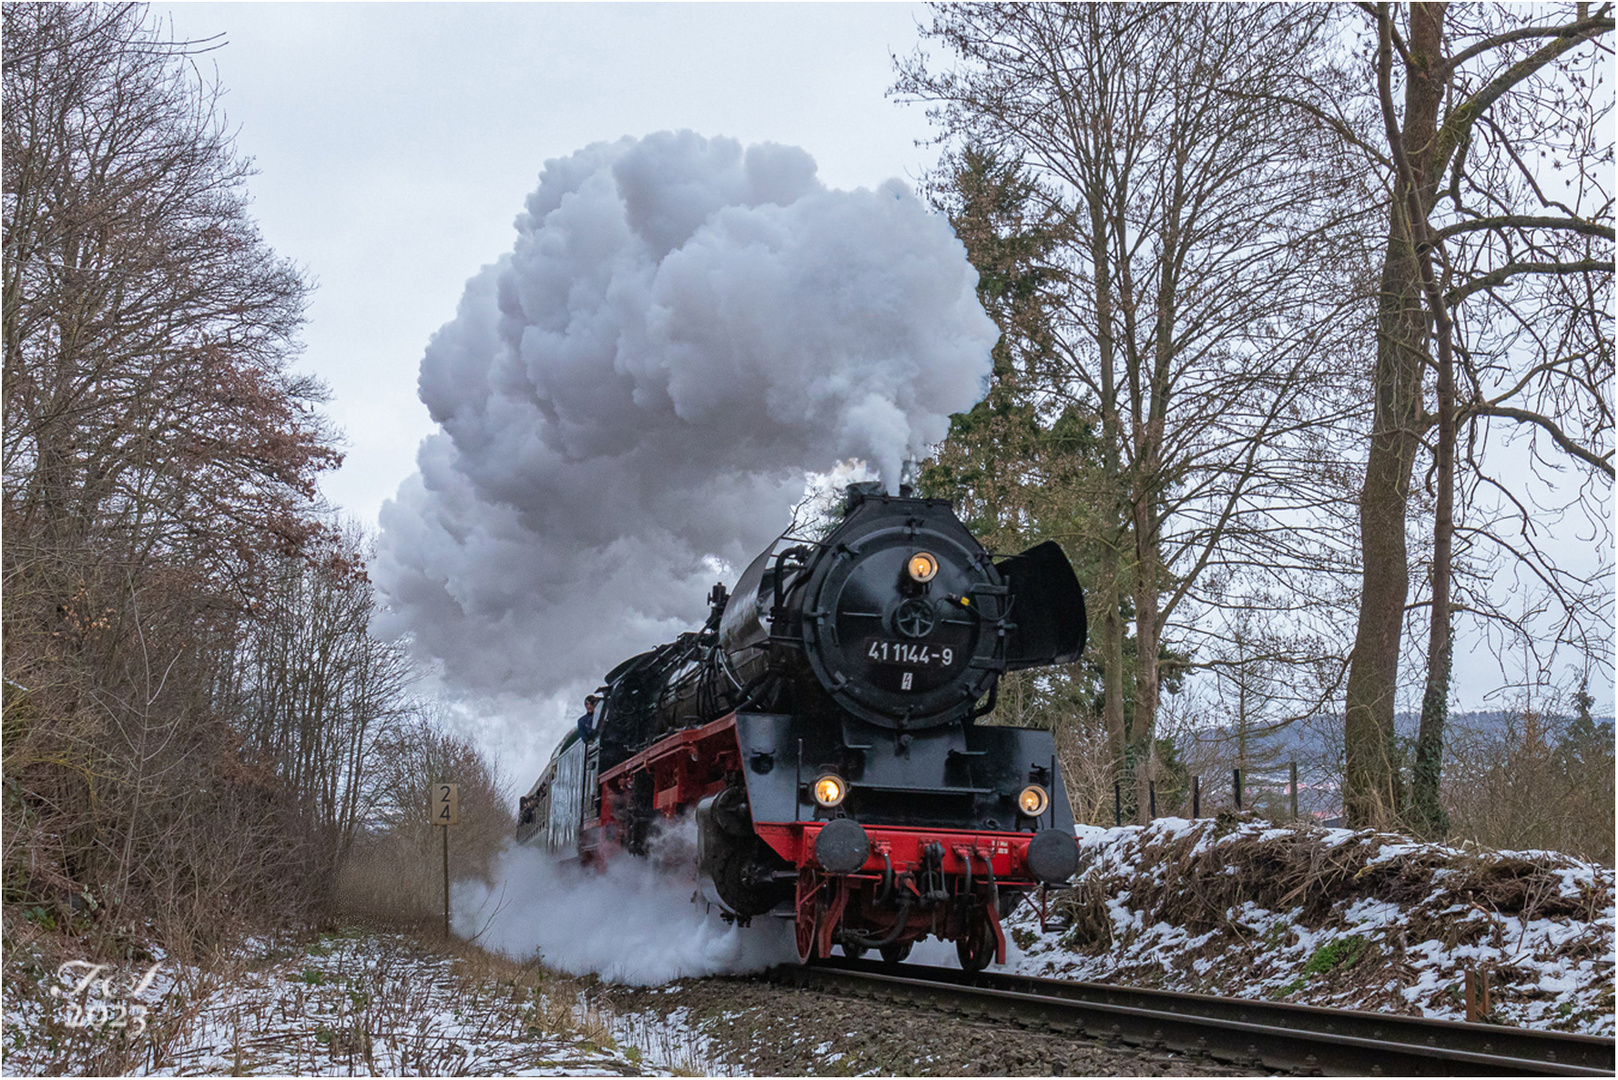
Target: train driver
(587,721)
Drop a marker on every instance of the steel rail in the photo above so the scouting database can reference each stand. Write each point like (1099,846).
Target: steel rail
(1292,1038)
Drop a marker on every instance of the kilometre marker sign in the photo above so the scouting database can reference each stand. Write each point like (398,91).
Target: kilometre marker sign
(446,806)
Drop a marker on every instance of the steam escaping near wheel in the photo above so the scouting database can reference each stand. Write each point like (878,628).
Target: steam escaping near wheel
(630,399)
(629,921)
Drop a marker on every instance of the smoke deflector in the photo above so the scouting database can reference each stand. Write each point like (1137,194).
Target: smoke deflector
(1046,608)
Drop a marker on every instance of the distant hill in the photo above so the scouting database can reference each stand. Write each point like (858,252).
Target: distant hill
(1319,736)
(1315,744)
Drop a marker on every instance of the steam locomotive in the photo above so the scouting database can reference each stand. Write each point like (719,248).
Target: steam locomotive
(821,730)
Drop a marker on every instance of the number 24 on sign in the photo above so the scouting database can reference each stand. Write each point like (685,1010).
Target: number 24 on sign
(446,804)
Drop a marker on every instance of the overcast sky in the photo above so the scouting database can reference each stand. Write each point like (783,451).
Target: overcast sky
(396,142)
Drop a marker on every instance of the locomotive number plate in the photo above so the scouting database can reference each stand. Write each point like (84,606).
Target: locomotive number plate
(909,654)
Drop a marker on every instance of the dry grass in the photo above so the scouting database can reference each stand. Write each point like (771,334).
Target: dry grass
(39,1037)
(1365,919)
(1304,868)
(387,882)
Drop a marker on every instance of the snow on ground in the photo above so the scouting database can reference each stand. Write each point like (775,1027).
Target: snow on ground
(1231,906)
(354,1003)
(1236,906)
(676,1040)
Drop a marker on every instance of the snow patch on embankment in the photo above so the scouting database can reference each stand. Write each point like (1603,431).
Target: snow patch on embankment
(1349,919)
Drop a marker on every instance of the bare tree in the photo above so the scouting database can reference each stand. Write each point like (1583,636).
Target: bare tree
(394,870)
(1197,219)
(1497,290)
(317,696)
(147,328)
(158,459)
(1533,779)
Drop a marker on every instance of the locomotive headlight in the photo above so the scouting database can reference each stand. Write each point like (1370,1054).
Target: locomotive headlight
(829,789)
(1033,800)
(922,567)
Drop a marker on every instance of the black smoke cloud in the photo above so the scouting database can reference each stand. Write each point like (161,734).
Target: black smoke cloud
(630,399)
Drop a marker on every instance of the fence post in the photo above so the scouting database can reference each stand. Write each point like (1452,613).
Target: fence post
(1196,797)
(1151,797)
(1294,765)
(1117,803)
(1477,995)
(1236,783)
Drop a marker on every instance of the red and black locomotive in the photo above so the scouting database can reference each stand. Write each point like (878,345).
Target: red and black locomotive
(821,729)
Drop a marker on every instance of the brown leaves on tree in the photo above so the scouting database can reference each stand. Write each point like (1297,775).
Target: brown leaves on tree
(150,410)
(159,459)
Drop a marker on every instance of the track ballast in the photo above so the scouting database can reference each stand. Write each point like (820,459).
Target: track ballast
(1291,1038)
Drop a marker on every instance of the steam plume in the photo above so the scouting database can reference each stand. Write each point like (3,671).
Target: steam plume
(630,399)
(629,921)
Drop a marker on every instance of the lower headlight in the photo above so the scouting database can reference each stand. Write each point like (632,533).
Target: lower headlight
(1033,800)
(829,789)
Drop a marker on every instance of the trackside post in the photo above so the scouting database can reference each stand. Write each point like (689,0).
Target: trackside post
(445,810)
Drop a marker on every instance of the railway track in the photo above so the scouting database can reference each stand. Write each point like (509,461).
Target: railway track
(1290,1038)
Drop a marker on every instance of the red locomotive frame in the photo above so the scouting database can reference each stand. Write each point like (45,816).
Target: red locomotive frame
(692,764)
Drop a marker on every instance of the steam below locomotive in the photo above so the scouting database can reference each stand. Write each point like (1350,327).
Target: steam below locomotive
(822,730)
